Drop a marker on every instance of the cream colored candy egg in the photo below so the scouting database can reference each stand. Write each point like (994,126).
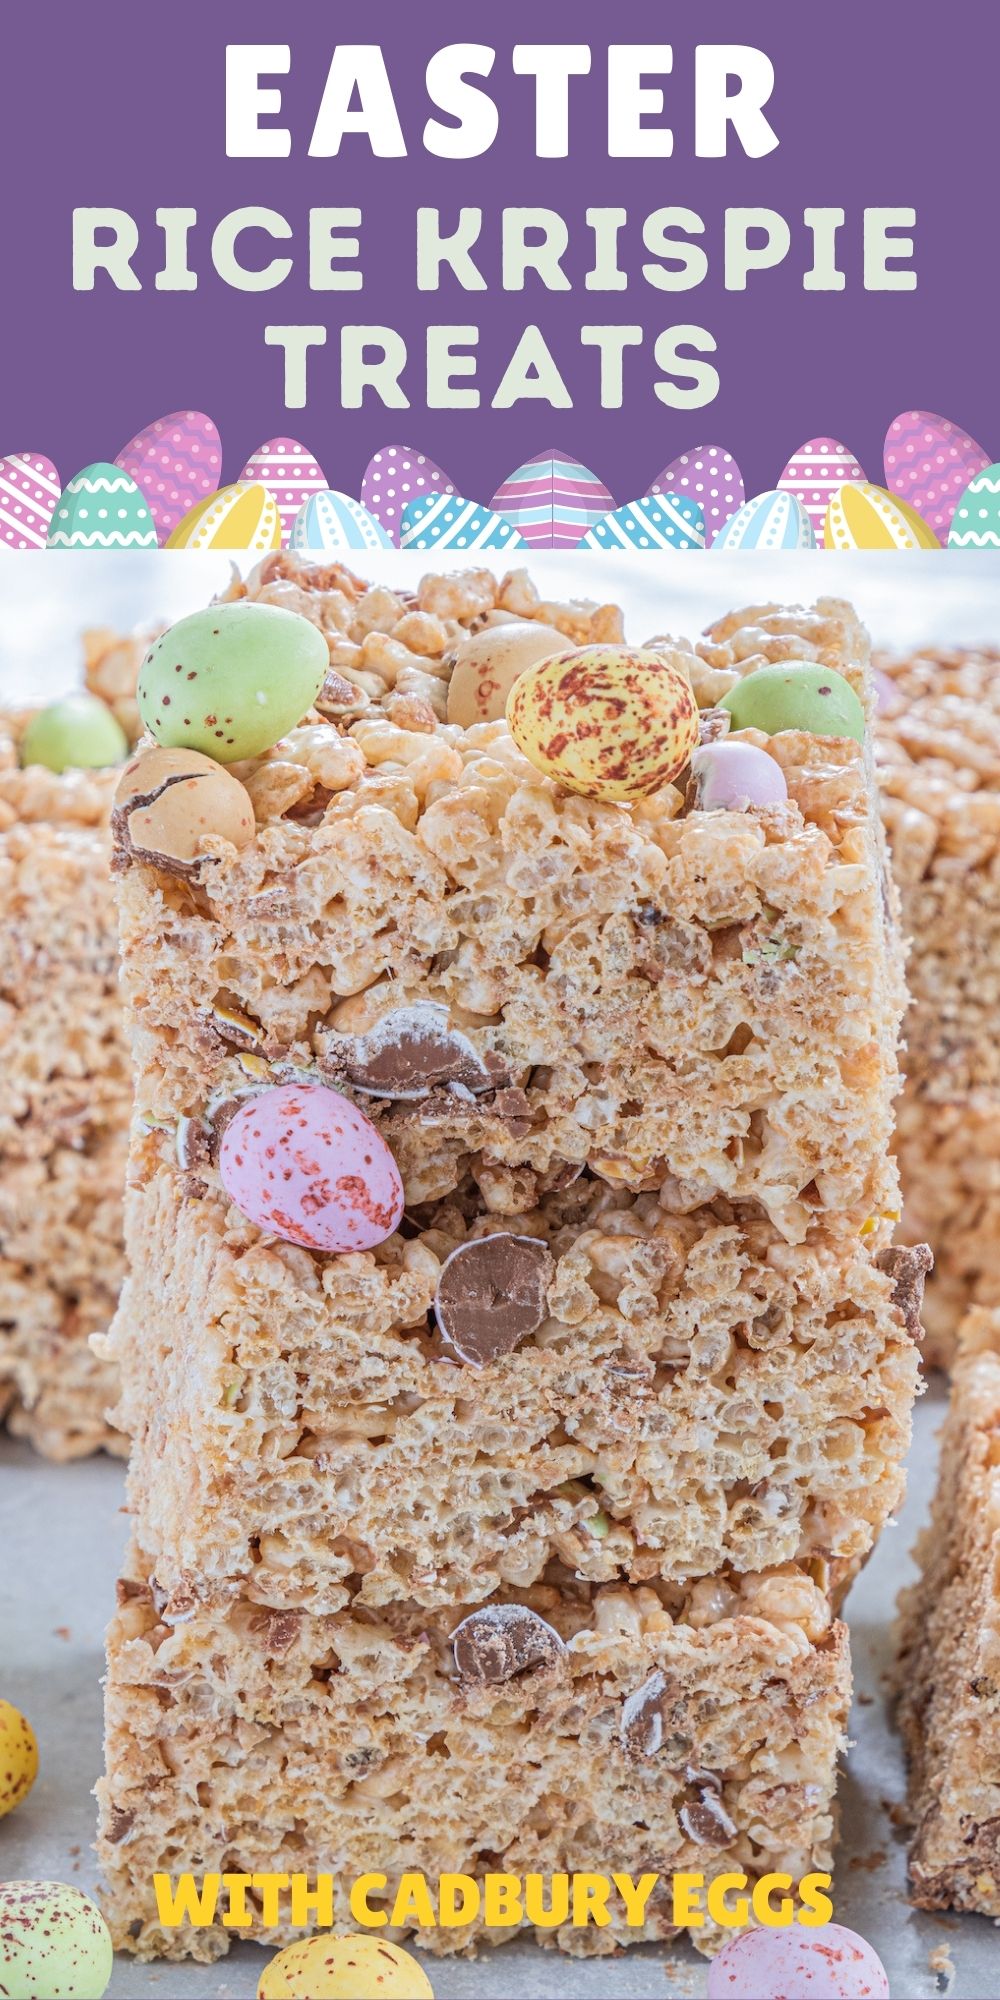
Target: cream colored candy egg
(344,1968)
(168,800)
(488,664)
(18,1758)
(609,722)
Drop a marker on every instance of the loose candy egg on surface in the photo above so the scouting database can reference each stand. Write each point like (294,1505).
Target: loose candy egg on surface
(831,1963)
(77,732)
(175,462)
(866,517)
(732,777)
(929,462)
(306,1165)
(488,664)
(796,694)
(53,1941)
(230,680)
(101,508)
(237,517)
(608,722)
(18,1759)
(168,800)
(344,1968)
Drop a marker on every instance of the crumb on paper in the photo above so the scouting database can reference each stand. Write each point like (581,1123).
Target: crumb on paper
(864,1700)
(61,1632)
(942,1965)
(869,1862)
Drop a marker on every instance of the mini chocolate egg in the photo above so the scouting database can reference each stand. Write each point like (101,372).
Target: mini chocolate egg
(306,1165)
(796,694)
(168,800)
(77,733)
(608,722)
(732,777)
(231,680)
(18,1760)
(488,664)
(344,1968)
(829,1963)
(53,1941)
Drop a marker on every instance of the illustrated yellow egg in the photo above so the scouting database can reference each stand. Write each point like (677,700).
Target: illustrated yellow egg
(867,517)
(237,517)
(344,1968)
(608,722)
(18,1758)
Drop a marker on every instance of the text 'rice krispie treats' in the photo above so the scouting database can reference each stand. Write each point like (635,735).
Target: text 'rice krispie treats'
(938,745)
(949,1666)
(65,1084)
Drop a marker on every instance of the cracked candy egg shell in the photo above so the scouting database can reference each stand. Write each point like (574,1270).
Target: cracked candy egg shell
(306,1165)
(53,1940)
(168,800)
(608,722)
(230,681)
(344,1968)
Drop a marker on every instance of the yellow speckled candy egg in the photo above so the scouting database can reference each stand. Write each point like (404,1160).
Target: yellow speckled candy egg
(18,1758)
(344,1968)
(608,722)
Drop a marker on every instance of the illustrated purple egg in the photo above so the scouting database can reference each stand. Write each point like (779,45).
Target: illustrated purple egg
(306,1165)
(830,1963)
(732,777)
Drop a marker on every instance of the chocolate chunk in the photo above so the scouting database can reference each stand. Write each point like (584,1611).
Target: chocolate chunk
(641,1725)
(713,725)
(410,1052)
(120,1825)
(908,1268)
(706,1821)
(491,1295)
(502,1641)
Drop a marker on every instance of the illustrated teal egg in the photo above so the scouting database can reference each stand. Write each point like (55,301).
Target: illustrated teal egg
(77,733)
(231,680)
(976,520)
(53,1940)
(101,508)
(796,694)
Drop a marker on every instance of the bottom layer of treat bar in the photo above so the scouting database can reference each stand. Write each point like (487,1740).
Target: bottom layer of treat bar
(949,1666)
(255,1740)
(949,1160)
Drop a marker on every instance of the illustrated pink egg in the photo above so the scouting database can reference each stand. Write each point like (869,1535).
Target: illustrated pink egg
(831,1963)
(396,475)
(929,462)
(814,473)
(175,462)
(306,1165)
(710,475)
(29,489)
(732,777)
(291,475)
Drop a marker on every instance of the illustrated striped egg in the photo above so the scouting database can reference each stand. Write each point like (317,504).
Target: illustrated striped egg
(396,475)
(866,517)
(667,522)
(976,520)
(334,521)
(710,475)
(446,521)
(768,521)
(814,473)
(552,501)
(175,462)
(101,508)
(237,517)
(929,462)
(290,474)
(29,489)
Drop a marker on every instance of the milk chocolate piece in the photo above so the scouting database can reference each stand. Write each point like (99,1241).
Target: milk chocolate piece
(491,1295)
(410,1052)
(908,1270)
(706,1821)
(501,1641)
(641,1725)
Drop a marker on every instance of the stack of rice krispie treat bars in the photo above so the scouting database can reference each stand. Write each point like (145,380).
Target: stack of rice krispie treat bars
(516,1538)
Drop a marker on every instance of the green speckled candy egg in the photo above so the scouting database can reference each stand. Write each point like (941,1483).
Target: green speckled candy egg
(53,1940)
(796,694)
(230,681)
(77,733)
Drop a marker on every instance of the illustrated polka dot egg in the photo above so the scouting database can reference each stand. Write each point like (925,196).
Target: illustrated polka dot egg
(101,508)
(29,489)
(768,521)
(814,473)
(334,521)
(175,462)
(710,475)
(237,517)
(290,474)
(445,521)
(395,476)
(976,520)
(667,522)
(831,1963)
(929,462)
(866,517)
(552,501)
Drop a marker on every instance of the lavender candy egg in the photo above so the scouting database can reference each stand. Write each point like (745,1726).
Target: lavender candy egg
(306,1165)
(830,1963)
(732,777)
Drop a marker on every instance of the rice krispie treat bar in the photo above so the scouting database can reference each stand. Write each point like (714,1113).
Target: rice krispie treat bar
(938,744)
(565,1729)
(949,1666)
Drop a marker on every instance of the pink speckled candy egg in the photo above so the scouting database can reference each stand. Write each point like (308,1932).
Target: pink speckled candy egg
(796,1964)
(814,473)
(929,462)
(396,475)
(710,475)
(732,777)
(291,475)
(175,462)
(305,1164)
(29,489)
